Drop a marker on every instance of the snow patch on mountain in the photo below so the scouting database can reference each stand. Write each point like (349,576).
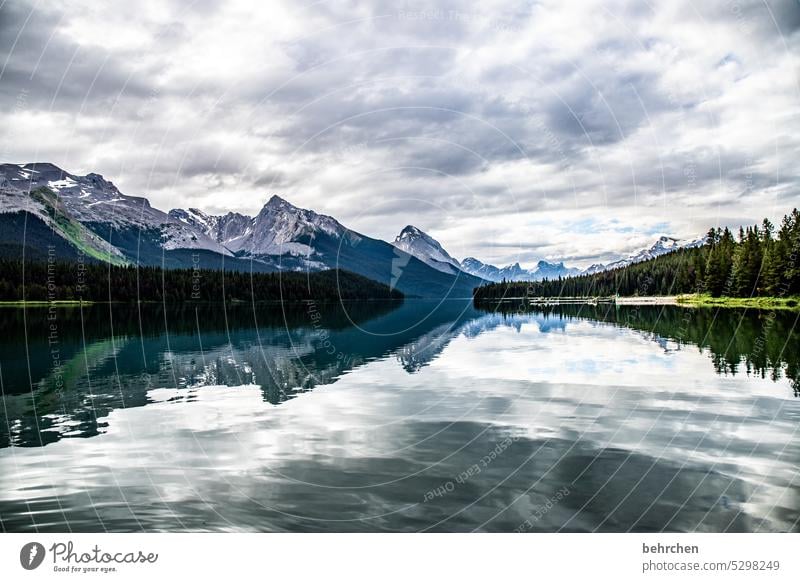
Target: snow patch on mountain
(91,199)
(280,228)
(545,270)
(480,269)
(515,272)
(229,230)
(46,206)
(427,249)
(662,246)
(594,268)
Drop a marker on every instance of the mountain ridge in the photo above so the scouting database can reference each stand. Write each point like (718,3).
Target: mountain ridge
(281,237)
(93,215)
(426,248)
(550,270)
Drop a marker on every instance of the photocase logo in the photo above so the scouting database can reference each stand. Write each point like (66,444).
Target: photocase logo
(31,555)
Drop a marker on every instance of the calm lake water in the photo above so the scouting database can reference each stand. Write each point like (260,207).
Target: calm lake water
(411,416)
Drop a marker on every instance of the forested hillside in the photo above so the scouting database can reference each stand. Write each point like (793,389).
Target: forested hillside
(760,261)
(54,281)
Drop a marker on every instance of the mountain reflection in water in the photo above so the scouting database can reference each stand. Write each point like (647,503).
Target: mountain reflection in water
(399,417)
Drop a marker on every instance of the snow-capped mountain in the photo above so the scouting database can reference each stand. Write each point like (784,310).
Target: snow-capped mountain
(427,249)
(89,215)
(664,245)
(284,236)
(545,270)
(279,229)
(594,268)
(226,229)
(40,204)
(515,272)
(693,244)
(96,202)
(52,213)
(480,269)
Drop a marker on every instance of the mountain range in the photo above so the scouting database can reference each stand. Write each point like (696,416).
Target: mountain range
(430,251)
(515,272)
(47,212)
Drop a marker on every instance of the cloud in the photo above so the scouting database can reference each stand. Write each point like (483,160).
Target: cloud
(498,127)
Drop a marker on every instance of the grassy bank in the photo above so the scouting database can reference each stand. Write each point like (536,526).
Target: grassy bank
(706,300)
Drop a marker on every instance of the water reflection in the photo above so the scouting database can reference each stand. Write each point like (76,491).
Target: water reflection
(107,358)
(751,341)
(400,417)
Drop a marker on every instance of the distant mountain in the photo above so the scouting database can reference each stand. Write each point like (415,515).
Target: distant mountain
(662,246)
(42,206)
(427,249)
(594,268)
(47,211)
(288,237)
(278,230)
(228,229)
(481,269)
(515,272)
(547,270)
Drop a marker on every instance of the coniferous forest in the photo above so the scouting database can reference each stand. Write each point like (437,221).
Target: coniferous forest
(759,261)
(71,281)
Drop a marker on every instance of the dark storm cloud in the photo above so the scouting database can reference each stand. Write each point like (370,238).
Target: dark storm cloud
(204,159)
(607,110)
(767,20)
(272,180)
(56,72)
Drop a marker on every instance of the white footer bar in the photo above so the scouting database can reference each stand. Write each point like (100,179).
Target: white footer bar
(415,557)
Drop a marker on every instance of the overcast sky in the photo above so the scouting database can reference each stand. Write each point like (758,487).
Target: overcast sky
(510,131)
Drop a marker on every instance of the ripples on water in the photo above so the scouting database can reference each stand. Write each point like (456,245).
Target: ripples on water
(399,417)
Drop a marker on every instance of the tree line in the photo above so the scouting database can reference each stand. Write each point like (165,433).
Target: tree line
(60,281)
(761,261)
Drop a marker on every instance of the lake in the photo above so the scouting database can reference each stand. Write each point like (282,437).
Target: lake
(406,416)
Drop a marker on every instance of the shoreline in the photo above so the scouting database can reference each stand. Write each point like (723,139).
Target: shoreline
(684,300)
(655,300)
(79,303)
(703,300)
